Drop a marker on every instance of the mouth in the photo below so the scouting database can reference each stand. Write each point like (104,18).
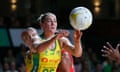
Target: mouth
(53,28)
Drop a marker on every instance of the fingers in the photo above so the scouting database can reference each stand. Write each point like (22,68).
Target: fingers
(77,34)
(117,47)
(110,46)
(63,32)
(105,55)
(105,47)
(26,38)
(23,33)
(108,51)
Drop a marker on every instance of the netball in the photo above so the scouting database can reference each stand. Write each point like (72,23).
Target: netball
(80,18)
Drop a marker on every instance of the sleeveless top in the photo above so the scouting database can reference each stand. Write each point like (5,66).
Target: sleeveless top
(46,61)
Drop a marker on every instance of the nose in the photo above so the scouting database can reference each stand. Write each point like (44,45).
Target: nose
(53,22)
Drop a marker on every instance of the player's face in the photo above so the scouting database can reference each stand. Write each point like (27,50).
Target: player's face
(50,24)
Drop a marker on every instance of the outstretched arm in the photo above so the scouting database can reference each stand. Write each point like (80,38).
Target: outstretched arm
(76,49)
(111,53)
(43,44)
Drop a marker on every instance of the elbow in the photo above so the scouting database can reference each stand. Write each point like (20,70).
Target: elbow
(78,54)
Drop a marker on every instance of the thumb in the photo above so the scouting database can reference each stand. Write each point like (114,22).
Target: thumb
(117,47)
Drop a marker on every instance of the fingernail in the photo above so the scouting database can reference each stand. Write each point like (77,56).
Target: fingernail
(107,42)
(103,46)
(102,50)
(118,44)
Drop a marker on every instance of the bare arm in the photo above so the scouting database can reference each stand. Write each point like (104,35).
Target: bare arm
(43,45)
(75,50)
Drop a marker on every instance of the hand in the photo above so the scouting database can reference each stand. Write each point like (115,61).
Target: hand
(26,38)
(77,35)
(110,52)
(62,33)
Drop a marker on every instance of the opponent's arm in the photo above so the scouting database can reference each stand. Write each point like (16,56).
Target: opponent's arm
(65,64)
(75,50)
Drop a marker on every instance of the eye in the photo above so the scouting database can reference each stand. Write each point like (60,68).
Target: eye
(54,21)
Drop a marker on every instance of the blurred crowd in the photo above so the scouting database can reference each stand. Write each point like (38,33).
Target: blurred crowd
(17,21)
(12,61)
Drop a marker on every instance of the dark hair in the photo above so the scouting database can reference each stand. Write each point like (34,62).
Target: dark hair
(42,17)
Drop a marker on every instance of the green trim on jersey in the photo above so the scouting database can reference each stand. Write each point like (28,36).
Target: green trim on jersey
(35,62)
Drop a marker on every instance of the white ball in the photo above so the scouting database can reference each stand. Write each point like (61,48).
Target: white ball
(80,18)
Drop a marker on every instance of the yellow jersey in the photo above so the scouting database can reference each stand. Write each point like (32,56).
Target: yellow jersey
(46,61)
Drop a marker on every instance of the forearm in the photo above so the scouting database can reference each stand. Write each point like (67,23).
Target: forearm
(43,46)
(77,43)
(77,49)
